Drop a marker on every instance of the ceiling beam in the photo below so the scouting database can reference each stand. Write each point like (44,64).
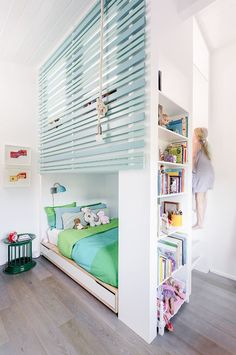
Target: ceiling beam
(187,8)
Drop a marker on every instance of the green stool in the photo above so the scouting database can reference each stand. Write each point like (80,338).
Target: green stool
(19,256)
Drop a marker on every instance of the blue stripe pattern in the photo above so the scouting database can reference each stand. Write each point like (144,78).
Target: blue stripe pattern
(69,86)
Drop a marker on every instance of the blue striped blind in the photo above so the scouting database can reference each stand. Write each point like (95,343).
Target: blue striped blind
(69,86)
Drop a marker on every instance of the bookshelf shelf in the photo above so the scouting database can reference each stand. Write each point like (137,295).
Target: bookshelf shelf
(169,136)
(175,230)
(172,274)
(172,246)
(177,165)
(172,195)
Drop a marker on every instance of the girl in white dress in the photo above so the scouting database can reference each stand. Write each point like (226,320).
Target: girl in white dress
(203,173)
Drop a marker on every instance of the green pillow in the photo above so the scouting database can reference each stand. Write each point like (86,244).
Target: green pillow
(51,214)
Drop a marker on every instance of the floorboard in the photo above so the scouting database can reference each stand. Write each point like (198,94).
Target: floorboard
(44,312)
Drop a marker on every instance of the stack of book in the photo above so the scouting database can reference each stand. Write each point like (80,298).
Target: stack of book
(170,181)
(172,254)
(179,126)
(178,150)
(23,237)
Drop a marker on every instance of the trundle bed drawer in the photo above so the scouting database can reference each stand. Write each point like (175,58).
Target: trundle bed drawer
(105,293)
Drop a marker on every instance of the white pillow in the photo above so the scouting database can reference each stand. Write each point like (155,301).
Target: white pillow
(53,235)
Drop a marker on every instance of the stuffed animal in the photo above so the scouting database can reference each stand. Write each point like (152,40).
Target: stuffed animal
(90,217)
(104,219)
(77,224)
(164,120)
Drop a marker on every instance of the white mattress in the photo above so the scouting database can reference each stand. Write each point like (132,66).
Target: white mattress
(53,235)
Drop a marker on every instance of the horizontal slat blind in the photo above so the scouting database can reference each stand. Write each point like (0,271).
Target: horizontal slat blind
(69,86)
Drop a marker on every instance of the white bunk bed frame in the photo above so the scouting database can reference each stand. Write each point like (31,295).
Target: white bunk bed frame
(105,293)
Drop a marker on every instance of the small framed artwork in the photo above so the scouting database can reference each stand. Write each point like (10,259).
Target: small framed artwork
(17,155)
(170,206)
(17,177)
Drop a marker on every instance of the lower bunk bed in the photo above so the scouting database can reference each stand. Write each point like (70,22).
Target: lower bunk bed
(89,257)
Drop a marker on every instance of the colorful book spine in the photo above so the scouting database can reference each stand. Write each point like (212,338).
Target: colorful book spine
(177,150)
(172,254)
(170,181)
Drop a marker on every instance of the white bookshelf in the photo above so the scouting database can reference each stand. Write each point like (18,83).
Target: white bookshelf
(169,136)
(167,163)
(171,195)
(166,137)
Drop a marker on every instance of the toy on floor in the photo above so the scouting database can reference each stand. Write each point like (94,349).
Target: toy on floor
(103,218)
(90,217)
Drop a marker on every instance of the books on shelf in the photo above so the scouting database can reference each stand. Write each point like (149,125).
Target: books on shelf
(172,253)
(179,126)
(170,181)
(176,152)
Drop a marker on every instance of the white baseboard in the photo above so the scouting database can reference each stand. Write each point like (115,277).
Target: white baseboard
(202,268)
(224,274)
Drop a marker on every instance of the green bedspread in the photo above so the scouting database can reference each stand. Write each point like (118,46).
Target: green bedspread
(95,249)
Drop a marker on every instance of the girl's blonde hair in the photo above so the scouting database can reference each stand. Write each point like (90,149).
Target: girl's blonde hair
(201,134)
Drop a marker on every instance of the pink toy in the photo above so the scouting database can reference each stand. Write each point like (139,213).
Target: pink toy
(104,219)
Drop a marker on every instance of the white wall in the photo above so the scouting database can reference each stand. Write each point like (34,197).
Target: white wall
(200,78)
(201,57)
(174,41)
(222,126)
(18,115)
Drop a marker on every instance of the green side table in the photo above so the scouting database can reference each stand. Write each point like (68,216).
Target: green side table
(19,255)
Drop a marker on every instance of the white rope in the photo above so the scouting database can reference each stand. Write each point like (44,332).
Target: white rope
(101,107)
(101,49)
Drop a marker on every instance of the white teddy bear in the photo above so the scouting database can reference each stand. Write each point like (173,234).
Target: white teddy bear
(104,219)
(90,217)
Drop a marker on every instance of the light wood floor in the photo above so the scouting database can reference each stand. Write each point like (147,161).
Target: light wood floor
(44,312)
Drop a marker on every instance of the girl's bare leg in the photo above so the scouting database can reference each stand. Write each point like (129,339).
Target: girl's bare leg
(201,208)
(195,226)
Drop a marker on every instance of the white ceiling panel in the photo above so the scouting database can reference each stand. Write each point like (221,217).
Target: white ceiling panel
(31,29)
(217,23)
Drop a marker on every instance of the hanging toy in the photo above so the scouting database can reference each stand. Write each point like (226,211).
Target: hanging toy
(101,107)
(101,111)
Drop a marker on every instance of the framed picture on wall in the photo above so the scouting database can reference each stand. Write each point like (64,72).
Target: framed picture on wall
(17,155)
(17,177)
